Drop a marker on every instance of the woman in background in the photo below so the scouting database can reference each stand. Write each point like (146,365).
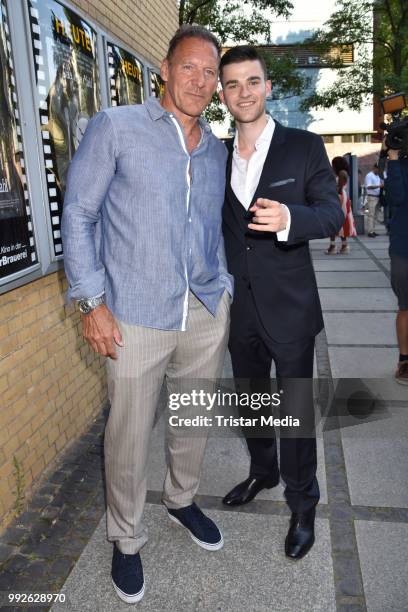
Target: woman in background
(341,170)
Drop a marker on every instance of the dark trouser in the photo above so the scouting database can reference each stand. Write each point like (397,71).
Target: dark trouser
(252,352)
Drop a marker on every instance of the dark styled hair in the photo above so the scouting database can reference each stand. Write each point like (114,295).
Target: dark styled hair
(242,53)
(339,164)
(192,31)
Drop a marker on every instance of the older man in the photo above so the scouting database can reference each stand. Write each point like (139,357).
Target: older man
(154,295)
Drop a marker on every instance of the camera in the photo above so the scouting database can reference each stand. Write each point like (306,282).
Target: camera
(397,130)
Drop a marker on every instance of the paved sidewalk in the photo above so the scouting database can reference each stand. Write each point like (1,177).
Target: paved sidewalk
(360,559)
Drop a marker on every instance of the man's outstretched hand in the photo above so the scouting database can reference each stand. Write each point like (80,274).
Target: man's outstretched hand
(101,331)
(269,216)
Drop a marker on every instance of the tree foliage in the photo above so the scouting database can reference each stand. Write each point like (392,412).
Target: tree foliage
(287,79)
(245,22)
(378,31)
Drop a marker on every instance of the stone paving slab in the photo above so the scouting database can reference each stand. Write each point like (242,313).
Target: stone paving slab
(381,238)
(354,249)
(376,456)
(323,242)
(386,263)
(343,264)
(354,253)
(358,299)
(360,362)
(251,572)
(337,280)
(318,243)
(226,463)
(360,328)
(384,564)
(376,249)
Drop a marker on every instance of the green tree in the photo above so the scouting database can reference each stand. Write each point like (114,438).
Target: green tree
(378,31)
(246,22)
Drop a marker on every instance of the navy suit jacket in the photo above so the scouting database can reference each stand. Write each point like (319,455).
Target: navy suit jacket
(297,173)
(396,191)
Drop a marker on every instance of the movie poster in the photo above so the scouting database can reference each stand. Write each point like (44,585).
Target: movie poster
(125,76)
(17,246)
(156,84)
(64,49)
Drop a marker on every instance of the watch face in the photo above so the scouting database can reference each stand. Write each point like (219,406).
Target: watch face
(85,307)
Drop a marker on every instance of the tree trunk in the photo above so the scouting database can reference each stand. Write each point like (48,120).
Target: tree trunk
(181,11)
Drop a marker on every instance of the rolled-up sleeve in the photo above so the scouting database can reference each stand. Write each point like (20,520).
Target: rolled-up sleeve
(89,177)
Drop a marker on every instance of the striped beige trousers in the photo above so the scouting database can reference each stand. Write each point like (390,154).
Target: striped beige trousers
(134,383)
(371,203)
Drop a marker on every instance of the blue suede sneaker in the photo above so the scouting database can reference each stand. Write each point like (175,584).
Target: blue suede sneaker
(201,528)
(127,576)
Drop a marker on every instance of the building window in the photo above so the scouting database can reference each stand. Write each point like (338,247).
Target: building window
(362,137)
(328,139)
(309,57)
(356,138)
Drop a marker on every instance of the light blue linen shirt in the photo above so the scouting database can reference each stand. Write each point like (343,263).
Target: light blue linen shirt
(142,217)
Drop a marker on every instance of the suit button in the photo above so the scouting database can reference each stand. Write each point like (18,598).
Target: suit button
(249,248)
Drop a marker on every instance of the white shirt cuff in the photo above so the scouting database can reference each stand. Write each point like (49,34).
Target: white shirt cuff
(283,235)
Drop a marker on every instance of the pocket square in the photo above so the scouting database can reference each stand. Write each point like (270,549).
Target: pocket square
(284,182)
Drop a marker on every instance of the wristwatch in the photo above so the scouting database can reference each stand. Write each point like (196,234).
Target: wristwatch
(86,305)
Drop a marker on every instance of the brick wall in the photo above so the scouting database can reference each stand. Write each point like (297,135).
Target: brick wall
(51,383)
(144,25)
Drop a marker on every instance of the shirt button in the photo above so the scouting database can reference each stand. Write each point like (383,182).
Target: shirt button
(189,219)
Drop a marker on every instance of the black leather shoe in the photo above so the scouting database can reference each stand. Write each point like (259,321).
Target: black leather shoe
(300,538)
(245,491)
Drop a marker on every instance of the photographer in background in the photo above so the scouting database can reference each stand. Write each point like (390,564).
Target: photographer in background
(396,185)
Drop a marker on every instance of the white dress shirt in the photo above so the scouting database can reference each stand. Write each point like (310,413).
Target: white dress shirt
(245,174)
(373,180)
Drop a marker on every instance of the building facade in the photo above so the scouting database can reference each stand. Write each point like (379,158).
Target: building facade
(60,63)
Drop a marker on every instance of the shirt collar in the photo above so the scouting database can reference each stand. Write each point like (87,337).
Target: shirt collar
(264,137)
(156,111)
(154,108)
